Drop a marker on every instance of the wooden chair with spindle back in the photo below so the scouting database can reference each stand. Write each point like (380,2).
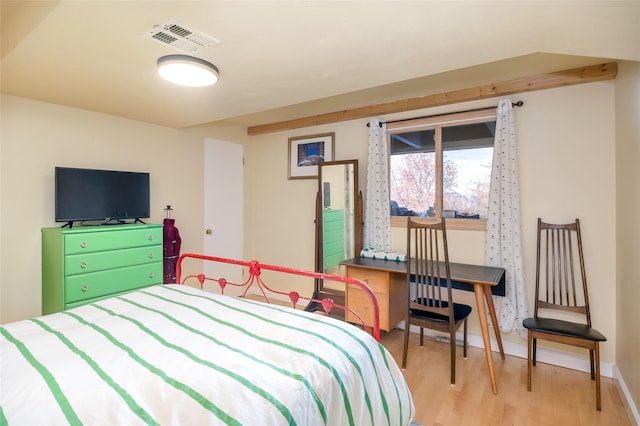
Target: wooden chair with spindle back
(429,297)
(561,284)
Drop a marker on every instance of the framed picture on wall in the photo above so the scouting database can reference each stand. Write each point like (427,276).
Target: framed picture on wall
(306,152)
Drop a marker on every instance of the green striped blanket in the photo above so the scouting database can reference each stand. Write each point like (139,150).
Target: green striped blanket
(172,354)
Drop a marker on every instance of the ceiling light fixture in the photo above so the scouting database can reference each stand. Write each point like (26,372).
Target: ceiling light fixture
(187,70)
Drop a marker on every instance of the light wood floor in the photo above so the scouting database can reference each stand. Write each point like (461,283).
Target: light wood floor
(558,396)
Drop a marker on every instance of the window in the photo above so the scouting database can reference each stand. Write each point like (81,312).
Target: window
(441,166)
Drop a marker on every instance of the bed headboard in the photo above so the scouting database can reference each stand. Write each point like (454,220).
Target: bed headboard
(254,278)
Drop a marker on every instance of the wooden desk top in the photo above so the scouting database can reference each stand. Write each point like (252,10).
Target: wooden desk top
(463,275)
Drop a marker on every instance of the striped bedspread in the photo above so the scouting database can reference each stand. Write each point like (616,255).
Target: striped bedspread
(172,354)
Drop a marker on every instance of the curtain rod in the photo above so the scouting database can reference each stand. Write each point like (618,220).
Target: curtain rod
(513,104)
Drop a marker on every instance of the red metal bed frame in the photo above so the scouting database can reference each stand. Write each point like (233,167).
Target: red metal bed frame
(255,278)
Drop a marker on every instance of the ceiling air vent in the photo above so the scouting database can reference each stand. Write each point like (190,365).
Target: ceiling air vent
(181,37)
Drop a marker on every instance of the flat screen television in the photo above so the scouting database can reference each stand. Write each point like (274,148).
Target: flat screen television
(110,196)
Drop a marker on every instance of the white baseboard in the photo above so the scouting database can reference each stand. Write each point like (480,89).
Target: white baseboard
(553,357)
(632,410)
(547,356)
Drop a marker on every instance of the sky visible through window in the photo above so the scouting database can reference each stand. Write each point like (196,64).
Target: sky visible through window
(473,165)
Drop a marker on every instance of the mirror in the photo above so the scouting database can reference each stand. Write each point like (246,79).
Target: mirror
(338,222)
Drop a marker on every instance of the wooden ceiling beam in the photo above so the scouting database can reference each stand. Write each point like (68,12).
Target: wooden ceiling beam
(570,77)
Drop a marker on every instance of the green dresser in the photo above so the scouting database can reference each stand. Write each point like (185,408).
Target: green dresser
(332,238)
(84,264)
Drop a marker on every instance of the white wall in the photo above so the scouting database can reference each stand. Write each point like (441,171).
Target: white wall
(628,232)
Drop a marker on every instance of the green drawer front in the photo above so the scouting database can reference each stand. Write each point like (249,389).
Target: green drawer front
(333,234)
(100,241)
(88,286)
(99,261)
(336,247)
(333,215)
(332,260)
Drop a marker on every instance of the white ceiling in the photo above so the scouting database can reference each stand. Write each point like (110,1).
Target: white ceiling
(280,60)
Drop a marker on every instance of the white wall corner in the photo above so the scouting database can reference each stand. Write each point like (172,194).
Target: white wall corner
(629,405)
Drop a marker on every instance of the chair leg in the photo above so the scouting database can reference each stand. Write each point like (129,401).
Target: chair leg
(535,347)
(464,347)
(597,362)
(421,337)
(407,325)
(530,343)
(593,376)
(452,344)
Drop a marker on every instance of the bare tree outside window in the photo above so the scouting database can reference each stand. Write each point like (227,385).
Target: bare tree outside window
(462,189)
(413,180)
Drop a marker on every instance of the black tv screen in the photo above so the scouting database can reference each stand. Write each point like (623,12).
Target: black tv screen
(109,195)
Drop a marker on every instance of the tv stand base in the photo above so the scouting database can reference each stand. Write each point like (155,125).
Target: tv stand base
(69,224)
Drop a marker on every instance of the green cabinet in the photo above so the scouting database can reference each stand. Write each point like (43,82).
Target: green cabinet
(85,264)
(332,238)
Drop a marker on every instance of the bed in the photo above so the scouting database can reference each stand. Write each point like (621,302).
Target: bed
(176,354)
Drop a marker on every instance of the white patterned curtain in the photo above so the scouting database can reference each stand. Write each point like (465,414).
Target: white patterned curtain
(377,229)
(503,244)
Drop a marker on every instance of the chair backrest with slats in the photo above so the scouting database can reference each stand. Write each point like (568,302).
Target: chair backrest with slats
(428,263)
(561,282)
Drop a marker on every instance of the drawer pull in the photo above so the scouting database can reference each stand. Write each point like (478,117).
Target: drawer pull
(150,255)
(83,244)
(150,237)
(150,274)
(84,288)
(83,264)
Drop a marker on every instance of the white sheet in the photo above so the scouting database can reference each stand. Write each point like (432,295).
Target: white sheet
(173,354)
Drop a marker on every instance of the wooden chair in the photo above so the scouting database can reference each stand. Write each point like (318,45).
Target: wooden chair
(558,269)
(429,300)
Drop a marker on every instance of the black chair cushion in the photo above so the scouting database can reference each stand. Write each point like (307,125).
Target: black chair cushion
(460,311)
(563,328)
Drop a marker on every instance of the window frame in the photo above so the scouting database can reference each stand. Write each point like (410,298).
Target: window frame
(436,123)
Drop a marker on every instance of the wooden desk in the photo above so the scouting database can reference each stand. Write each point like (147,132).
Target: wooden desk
(387,278)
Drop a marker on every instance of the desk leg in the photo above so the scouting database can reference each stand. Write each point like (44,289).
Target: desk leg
(484,325)
(494,319)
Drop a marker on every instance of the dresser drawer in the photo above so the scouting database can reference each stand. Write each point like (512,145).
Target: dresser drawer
(113,240)
(334,247)
(331,260)
(359,301)
(333,215)
(99,261)
(378,281)
(335,233)
(392,302)
(96,284)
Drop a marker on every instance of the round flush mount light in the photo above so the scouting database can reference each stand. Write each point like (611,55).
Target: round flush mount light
(187,70)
